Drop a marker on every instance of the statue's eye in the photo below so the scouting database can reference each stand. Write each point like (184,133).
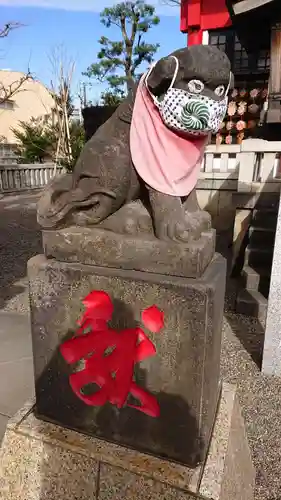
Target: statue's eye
(220,90)
(195,86)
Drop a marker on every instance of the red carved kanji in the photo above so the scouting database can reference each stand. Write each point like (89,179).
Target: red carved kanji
(110,356)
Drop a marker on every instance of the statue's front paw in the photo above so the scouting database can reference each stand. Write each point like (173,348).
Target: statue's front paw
(201,220)
(173,229)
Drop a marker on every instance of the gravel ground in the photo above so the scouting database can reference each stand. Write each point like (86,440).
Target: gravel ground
(20,239)
(260,399)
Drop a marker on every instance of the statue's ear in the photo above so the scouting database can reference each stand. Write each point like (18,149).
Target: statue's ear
(162,75)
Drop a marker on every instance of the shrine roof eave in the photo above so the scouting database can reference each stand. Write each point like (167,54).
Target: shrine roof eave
(245,6)
(253,24)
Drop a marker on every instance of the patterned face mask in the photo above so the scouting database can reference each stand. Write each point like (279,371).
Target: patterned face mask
(189,110)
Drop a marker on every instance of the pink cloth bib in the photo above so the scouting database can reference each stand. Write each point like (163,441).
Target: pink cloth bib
(166,161)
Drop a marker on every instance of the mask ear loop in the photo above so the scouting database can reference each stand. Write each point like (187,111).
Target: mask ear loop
(228,87)
(148,73)
(145,78)
(176,72)
(172,82)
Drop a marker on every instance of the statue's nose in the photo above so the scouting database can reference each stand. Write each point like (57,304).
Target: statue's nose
(195,115)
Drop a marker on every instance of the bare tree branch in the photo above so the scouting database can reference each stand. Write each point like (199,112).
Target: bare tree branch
(8,27)
(8,91)
(173,3)
(63,70)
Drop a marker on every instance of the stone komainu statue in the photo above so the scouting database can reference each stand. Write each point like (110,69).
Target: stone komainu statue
(150,149)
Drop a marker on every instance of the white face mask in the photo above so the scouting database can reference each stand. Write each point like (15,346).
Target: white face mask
(189,110)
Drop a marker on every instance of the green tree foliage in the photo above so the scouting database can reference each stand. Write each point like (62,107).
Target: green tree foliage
(34,141)
(119,61)
(110,98)
(37,142)
(77,139)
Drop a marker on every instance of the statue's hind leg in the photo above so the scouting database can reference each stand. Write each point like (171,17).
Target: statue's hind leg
(101,207)
(52,206)
(63,204)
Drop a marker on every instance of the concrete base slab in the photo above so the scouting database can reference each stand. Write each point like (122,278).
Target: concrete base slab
(16,363)
(41,460)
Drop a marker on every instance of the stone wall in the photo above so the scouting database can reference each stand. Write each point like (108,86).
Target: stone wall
(215,196)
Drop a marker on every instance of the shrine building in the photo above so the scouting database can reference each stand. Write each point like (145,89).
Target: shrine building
(249,32)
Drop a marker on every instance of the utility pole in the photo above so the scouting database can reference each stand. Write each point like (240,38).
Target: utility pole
(83,94)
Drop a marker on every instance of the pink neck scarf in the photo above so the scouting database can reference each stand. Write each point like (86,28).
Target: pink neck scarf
(166,161)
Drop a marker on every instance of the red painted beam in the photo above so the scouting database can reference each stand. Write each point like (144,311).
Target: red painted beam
(195,37)
(194,12)
(184,16)
(214,14)
(199,15)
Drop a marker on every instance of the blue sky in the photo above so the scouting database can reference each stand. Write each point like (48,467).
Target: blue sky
(75,24)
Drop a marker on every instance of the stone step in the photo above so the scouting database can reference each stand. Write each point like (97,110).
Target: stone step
(252,303)
(264,218)
(258,257)
(256,279)
(261,237)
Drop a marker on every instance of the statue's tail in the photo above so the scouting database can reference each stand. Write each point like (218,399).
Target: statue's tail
(61,199)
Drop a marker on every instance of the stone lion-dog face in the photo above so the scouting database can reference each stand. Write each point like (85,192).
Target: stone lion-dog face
(190,88)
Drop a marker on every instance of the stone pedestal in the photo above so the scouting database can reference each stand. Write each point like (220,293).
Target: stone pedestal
(39,461)
(183,376)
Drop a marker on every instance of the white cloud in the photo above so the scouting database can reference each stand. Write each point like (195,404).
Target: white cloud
(84,5)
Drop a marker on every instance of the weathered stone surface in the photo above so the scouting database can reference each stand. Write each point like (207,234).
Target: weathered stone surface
(104,452)
(140,251)
(242,223)
(118,484)
(184,375)
(253,200)
(272,343)
(40,460)
(229,473)
(134,218)
(35,470)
